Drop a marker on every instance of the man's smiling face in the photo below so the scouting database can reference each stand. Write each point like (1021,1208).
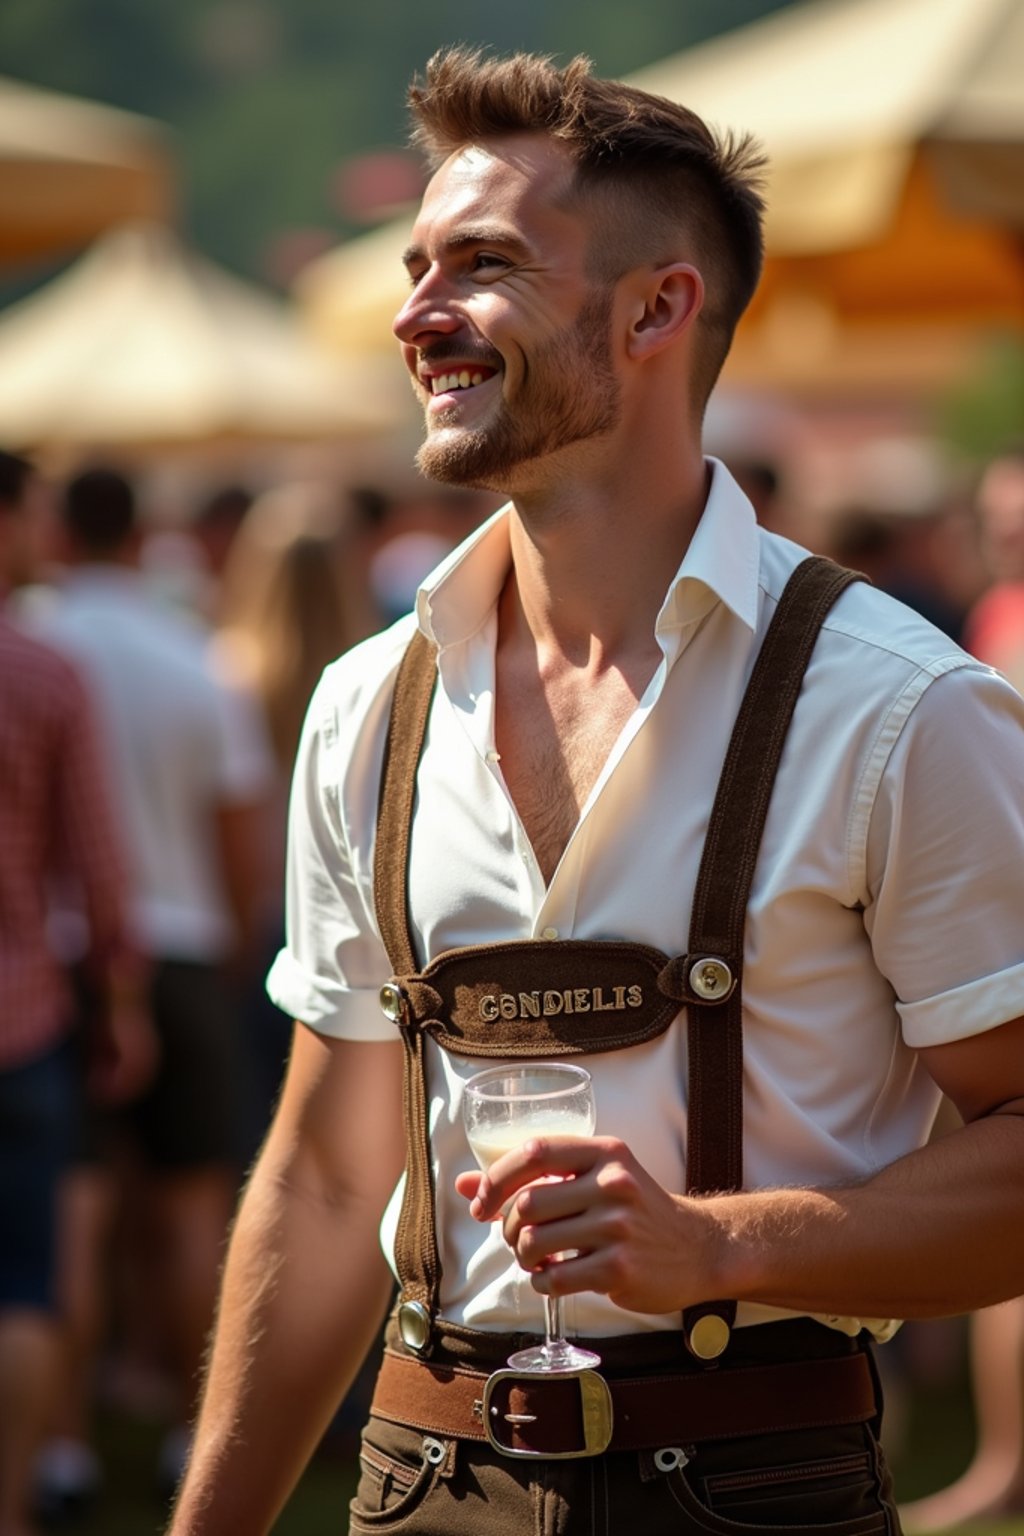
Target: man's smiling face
(505,335)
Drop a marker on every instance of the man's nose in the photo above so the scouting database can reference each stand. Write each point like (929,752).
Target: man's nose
(428,310)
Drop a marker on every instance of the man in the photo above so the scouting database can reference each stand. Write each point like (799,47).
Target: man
(190,760)
(995,625)
(579,261)
(992,1485)
(55,817)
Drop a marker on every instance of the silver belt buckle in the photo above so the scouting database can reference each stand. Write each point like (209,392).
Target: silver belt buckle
(595,1406)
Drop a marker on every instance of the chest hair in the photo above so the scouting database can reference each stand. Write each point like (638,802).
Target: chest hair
(554,741)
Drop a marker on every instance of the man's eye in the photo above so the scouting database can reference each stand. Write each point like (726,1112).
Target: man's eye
(485,260)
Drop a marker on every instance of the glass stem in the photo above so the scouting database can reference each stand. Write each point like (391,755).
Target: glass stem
(553,1323)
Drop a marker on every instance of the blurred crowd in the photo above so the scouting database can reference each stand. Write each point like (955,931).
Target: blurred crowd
(152,689)
(153,684)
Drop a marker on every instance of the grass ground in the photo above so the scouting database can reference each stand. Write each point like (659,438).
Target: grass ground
(130,1506)
(318,1506)
(933,1448)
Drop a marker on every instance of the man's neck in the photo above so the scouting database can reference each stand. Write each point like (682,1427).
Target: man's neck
(592,561)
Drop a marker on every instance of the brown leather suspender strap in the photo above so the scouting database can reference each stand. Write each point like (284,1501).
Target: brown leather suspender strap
(416,1252)
(714,1148)
(708,979)
(407,728)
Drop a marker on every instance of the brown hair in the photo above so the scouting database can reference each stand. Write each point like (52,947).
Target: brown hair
(15,473)
(290,601)
(99,511)
(666,187)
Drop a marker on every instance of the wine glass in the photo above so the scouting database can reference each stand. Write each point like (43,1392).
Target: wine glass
(503,1107)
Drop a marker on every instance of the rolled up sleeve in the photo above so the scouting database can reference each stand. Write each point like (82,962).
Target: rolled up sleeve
(329,972)
(946,860)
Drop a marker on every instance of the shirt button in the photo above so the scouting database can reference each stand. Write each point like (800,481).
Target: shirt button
(549,933)
(493,757)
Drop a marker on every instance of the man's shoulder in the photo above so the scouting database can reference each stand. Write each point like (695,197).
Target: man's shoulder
(136,632)
(115,614)
(32,663)
(362,678)
(865,625)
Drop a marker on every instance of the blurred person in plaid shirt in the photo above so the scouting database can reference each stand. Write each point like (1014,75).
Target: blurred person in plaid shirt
(55,817)
(190,762)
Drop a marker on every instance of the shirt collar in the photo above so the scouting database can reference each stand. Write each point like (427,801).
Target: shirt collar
(460,594)
(722,561)
(720,564)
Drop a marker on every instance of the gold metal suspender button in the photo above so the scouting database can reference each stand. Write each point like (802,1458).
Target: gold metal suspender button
(393,1002)
(711,979)
(414,1325)
(709,1336)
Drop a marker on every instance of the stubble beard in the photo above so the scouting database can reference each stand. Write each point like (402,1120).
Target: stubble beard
(571,394)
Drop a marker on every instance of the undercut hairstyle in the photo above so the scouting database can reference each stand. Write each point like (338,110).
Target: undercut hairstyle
(660,185)
(15,473)
(98,509)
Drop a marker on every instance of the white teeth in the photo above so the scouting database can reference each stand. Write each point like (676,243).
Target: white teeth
(444,383)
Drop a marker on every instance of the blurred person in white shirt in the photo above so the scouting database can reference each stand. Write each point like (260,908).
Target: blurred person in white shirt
(188,755)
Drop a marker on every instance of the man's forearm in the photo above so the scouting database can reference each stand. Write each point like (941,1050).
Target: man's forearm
(938,1232)
(304,1293)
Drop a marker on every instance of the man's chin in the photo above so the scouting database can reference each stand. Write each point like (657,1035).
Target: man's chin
(461,458)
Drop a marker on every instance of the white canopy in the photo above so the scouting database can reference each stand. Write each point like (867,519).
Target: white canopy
(143,342)
(843,93)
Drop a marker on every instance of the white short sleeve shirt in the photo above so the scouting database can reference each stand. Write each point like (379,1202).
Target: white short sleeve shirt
(884,914)
(182,740)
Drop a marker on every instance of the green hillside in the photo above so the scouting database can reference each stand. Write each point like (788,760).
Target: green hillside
(268,98)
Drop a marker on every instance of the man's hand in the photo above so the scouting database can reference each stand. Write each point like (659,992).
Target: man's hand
(123,1052)
(933,1233)
(645,1249)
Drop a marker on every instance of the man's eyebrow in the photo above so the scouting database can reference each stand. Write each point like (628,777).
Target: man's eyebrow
(478,234)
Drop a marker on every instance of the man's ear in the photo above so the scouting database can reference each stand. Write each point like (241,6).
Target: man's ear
(665,306)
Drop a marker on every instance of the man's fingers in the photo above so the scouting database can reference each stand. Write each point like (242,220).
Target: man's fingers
(537,1246)
(542,1157)
(566,1277)
(468,1183)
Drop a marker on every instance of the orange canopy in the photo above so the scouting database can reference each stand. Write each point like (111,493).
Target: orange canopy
(70,169)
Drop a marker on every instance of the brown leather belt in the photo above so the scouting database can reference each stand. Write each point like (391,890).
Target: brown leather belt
(582,1414)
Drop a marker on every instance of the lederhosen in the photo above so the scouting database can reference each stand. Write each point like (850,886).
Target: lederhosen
(537,999)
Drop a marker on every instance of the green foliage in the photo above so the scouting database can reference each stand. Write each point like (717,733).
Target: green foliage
(130,55)
(268,97)
(984,414)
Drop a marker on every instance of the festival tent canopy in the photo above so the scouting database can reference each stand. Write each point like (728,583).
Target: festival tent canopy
(846,95)
(349,296)
(895,223)
(69,169)
(895,227)
(143,343)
